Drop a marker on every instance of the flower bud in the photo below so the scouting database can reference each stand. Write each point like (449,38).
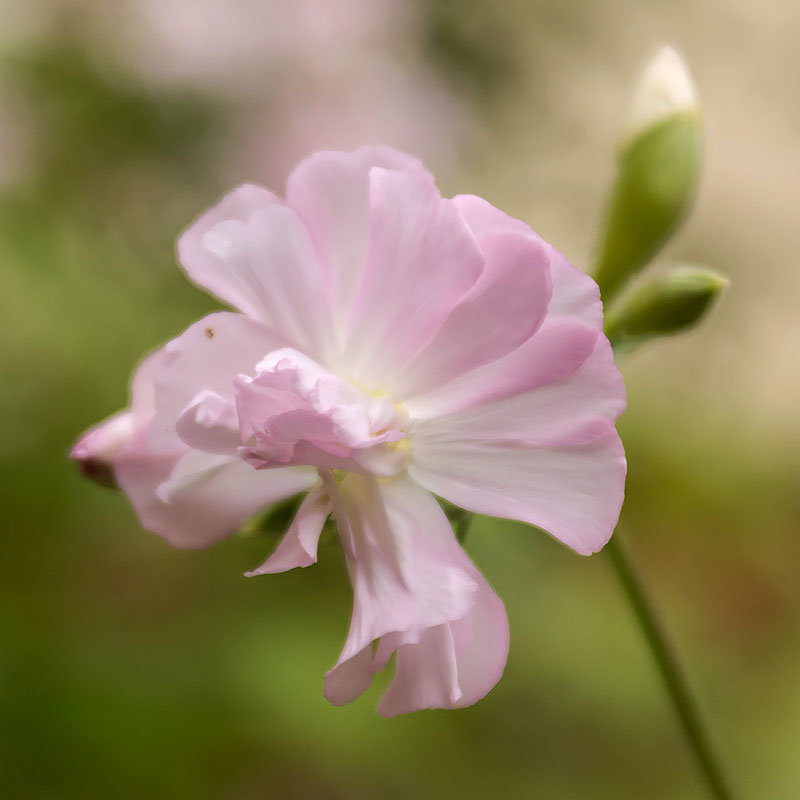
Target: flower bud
(659,165)
(664,305)
(96,450)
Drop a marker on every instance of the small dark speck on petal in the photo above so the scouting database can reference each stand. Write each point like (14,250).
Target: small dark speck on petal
(210,333)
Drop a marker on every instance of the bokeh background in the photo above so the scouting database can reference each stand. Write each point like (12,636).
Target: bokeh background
(129,669)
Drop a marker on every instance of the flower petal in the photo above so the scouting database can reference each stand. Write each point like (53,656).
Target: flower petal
(553,353)
(192,499)
(421,261)
(446,665)
(406,567)
(549,456)
(575,294)
(209,423)
(574,492)
(206,357)
(298,547)
(213,505)
(503,309)
(207,266)
(330,192)
(551,408)
(299,413)
(453,665)
(266,265)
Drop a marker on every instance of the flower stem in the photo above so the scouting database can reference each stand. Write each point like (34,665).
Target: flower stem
(674,678)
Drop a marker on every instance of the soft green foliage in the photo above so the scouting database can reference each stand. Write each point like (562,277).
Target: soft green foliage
(656,178)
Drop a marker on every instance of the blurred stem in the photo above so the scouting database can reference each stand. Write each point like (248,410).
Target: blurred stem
(674,678)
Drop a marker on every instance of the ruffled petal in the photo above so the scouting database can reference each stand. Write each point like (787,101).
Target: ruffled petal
(421,261)
(192,498)
(417,592)
(209,423)
(296,412)
(503,309)
(298,547)
(203,361)
(575,294)
(330,192)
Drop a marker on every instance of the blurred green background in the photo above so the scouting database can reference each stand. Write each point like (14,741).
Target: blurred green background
(129,669)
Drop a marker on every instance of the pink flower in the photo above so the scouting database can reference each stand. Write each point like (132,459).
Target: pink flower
(390,344)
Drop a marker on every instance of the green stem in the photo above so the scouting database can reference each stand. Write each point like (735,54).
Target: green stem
(674,679)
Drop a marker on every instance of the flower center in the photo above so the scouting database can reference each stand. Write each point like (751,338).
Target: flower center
(294,412)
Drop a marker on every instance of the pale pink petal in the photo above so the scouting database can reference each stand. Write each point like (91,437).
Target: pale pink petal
(421,261)
(298,547)
(288,279)
(575,294)
(299,413)
(573,492)
(349,680)
(330,191)
(448,665)
(482,217)
(97,449)
(407,569)
(206,357)
(214,504)
(193,499)
(209,423)
(453,665)
(503,309)
(207,266)
(265,260)
(549,413)
(553,353)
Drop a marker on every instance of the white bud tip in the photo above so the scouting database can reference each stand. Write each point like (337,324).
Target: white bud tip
(665,88)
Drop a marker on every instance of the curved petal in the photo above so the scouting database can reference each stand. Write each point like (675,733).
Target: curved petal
(421,261)
(330,192)
(404,564)
(209,423)
(207,506)
(299,413)
(453,665)
(207,266)
(550,411)
(553,353)
(426,601)
(574,492)
(263,262)
(575,294)
(503,309)
(298,547)
(190,498)
(206,357)
(98,447)
(402,557)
